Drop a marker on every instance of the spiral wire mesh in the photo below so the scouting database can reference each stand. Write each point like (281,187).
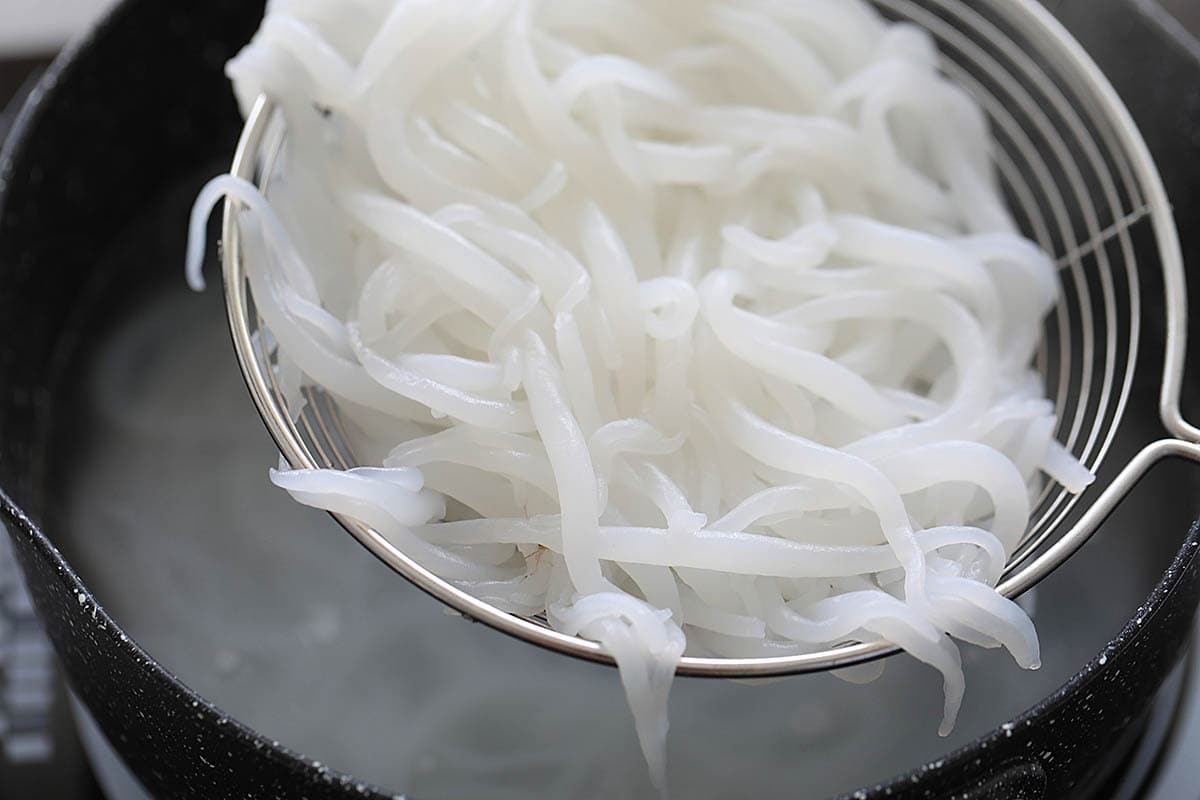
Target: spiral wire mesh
(1080,184)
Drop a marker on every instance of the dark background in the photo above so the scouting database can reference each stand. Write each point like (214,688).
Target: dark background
(1188,12)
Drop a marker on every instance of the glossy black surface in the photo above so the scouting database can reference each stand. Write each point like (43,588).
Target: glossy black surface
(56,765)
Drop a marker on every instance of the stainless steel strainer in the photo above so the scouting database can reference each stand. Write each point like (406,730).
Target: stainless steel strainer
(1082,184)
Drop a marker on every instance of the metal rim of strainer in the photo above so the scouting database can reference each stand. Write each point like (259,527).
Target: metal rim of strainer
(1028,566)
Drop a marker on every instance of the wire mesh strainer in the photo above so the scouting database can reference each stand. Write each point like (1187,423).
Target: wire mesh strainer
(1081,183)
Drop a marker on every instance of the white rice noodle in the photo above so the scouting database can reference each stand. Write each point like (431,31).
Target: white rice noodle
(695,326)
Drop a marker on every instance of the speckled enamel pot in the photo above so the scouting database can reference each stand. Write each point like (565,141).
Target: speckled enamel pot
(109,131)
(1072,742)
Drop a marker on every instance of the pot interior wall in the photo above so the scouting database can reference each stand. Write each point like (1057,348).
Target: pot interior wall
(158,464)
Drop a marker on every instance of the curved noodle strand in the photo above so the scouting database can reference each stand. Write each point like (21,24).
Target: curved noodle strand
(693,326)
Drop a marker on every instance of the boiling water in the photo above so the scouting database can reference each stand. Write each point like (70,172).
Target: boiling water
(272,612)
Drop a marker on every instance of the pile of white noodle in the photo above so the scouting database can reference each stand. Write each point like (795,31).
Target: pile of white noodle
(698,326)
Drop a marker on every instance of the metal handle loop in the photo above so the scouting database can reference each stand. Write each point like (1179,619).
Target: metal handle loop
(1097,512)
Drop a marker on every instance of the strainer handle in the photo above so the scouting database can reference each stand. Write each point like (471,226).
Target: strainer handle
(1176,308)
(1105,504)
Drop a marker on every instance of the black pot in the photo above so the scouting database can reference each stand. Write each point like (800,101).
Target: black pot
(139,112)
